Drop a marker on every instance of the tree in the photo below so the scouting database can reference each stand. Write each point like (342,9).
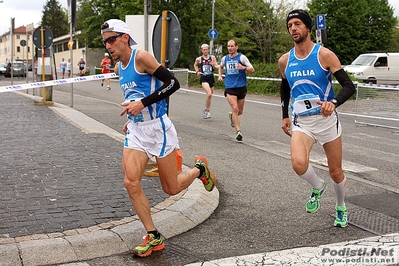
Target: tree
(92,13)
(55,18)
(355,27)
(251,23)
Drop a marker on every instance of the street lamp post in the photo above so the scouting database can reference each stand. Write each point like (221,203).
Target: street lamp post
(213,24)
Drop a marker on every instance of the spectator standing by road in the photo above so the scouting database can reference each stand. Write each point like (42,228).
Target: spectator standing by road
(69,66)
(204,66)
(81,65)
(35,67)
(63,66)
(149,131)
(106,68)
(235,83)
(307,71)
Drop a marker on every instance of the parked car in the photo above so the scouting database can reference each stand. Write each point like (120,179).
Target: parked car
(3,68)
(19,70)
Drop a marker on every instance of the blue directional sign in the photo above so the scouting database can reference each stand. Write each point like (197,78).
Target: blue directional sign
(213,33)
(321,22)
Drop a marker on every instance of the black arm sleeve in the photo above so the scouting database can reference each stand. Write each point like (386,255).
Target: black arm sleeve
(285,94)
(169,86)
(348,88)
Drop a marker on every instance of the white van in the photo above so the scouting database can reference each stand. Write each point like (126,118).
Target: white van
(381,68)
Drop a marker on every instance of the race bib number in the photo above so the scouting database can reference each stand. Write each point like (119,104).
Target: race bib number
(138,118)
(306,105)
(232,67)
(207,69)
(107,66)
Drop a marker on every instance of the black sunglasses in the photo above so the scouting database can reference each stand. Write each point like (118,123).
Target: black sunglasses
(111,40)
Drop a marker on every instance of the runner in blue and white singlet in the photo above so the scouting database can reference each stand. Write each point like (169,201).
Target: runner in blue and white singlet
(150,133)
(136,86)
(309,82)
(306,80)
(236,66)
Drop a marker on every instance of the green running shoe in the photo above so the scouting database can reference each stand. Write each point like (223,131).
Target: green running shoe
(340,217)
(313,202)
(231,119)
(149,245)
(239,135)
(208,178)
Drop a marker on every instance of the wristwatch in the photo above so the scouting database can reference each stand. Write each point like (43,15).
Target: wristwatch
(335,102)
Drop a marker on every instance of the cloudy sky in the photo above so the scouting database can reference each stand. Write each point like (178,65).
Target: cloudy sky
(30,11)
(24,11)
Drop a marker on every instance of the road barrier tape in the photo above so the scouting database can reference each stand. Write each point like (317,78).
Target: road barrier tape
(57,82)
(378,86)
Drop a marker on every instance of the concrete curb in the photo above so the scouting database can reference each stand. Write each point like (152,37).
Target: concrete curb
(188,209)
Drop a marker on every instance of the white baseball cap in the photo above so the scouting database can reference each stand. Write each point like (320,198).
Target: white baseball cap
(106,54)
(204,46)
(117,25)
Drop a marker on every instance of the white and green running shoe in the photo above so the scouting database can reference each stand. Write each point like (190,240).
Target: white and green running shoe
(340,217)
(313,202)
(231,119)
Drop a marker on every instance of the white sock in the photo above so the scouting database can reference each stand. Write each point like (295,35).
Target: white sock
(312,178)
(340,190)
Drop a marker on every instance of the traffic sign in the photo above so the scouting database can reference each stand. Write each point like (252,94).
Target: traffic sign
(321,22)
(22,43)
(173,39)
(213,33)
(37,37)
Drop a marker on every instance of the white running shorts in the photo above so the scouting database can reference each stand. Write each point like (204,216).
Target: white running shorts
(157,137)
(321,129)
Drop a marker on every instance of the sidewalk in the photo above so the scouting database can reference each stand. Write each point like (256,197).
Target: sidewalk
(62,190)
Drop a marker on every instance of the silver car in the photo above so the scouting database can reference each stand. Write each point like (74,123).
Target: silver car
(19,70)
(3,68)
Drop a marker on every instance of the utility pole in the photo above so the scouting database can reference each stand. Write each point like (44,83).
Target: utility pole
(12,48)
(213,25)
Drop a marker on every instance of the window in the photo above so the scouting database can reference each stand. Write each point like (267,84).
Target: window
(381,62)
(364,60)
(80,44)
(18,36)
(18,49)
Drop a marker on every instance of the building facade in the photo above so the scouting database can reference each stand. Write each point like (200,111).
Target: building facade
(21,47)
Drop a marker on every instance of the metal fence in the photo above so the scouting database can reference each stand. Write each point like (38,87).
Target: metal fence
(182,76)
(377,105)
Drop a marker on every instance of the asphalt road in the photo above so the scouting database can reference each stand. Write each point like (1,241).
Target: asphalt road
(262,201)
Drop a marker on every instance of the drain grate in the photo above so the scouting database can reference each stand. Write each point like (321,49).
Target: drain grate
(371,221)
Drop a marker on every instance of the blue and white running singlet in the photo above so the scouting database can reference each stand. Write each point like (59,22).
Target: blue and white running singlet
(309,82)
(234,78)
(136,86)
